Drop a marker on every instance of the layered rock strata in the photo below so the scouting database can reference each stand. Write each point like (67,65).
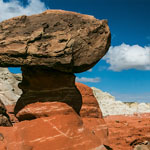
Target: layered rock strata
(48,85)
(62,40)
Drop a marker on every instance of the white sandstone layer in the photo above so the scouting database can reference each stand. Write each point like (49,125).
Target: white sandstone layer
(109,106)
(9,91)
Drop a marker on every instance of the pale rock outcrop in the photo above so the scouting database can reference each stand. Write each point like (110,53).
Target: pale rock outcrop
(9,91)
(110,106)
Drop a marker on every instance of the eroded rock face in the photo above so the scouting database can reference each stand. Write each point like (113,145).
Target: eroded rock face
(48,85)
(62,40)
(91,114)
(56,126)
(4,118)
(9,91)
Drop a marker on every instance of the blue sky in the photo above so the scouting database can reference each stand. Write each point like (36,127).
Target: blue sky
(125,70)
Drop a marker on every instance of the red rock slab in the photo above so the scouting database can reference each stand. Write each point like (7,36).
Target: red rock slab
(90,107)
(91,114)
(62,131)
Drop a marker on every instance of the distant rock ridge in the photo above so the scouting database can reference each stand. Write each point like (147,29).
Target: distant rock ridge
(110,106)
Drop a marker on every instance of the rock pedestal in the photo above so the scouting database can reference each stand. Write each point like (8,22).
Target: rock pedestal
(48,85)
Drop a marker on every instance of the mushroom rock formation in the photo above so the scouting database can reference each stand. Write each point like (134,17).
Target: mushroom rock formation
(50,47)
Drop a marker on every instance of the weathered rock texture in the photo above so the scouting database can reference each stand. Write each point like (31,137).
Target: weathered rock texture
(50,47)
(62,40)
(129,132)
(55,126)
(91,114)
(4,118)
(43,85)
(9,91)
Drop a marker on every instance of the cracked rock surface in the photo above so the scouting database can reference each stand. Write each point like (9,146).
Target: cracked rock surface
(62,40)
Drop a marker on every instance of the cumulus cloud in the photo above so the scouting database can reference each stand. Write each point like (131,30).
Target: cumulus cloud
(126,57)
(84,79)
(13,8)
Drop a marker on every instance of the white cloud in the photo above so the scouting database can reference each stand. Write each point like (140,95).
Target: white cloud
(84,79)
(124,57)
(13,8)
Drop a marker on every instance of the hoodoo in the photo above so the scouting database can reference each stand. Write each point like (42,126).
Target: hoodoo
(50,47)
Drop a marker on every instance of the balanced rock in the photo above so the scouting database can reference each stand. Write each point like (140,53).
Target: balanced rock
(50,47)
(62,40)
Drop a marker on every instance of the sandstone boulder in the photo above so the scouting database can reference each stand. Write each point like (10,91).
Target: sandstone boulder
(62,40)
(56,127)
